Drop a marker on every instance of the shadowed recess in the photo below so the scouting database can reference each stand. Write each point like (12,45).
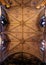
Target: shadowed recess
(22,58)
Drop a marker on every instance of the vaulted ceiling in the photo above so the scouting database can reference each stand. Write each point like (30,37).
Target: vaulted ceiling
(24,31)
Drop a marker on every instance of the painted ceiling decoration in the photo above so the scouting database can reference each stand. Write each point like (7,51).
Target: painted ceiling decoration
(22,32)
